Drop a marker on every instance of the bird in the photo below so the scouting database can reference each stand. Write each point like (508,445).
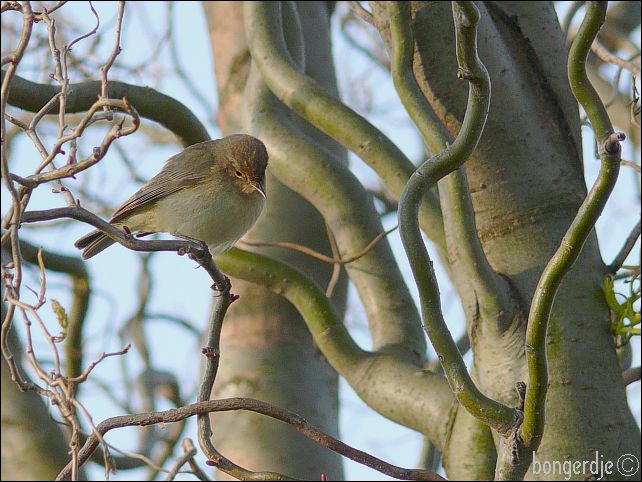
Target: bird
(212,192)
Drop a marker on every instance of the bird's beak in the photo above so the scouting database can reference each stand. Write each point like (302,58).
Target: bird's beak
(260,187)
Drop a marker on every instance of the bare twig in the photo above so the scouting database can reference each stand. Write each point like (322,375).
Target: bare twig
(104,90)
(362,13)
(196,469)
(626,249)
(83,376)
(188,455)
(13,279)
(602,52)
(180,461)
(336,269)
(632,165)
(323,257)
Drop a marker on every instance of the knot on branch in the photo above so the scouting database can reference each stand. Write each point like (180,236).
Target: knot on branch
(611,145)
(210,352)
(465,74)
(521,392)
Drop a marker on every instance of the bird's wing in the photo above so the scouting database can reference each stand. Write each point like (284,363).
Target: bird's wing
(179,172)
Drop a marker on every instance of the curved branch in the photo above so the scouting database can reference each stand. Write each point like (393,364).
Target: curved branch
(532,429)
(14,218)
(495,414)
(149,103)
(252,405)
(330,334)
(459,218)
(338,195)
(212,353)
(421,398)
(306,98)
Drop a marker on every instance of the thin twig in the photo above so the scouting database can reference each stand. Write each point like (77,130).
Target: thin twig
(632,165)
(362,13)
(188,454)
(196,469)
(83,376)
(336,269)
(320,256)
(626,249)
(104,70)
(602,52)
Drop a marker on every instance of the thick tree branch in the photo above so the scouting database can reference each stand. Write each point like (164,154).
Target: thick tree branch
(306,98)
(149,103)
(631,375)
(422,399)
(338,195)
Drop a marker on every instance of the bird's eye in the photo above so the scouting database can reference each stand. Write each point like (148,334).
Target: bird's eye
(238,173)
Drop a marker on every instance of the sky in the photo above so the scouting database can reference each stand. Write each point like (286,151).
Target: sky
(114,271)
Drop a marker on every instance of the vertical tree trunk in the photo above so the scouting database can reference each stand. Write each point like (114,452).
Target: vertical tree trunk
(267,350)
(526,184)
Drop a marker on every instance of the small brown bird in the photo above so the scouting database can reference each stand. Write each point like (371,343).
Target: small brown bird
(213,192)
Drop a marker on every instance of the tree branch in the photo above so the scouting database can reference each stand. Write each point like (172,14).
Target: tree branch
(495,414)
(78,213)
(422,399)
(149,103)
(306,98)
(224,405)
(618,261)
(570,248)
(492,291)
(338,195)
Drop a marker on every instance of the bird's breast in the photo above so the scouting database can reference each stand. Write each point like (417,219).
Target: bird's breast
(217,217)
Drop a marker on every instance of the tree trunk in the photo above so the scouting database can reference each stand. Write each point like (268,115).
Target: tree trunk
(526,184)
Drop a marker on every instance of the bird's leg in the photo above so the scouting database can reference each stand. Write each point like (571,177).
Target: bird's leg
(220,287)
(203,247)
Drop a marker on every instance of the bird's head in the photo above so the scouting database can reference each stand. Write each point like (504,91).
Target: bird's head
(245,160)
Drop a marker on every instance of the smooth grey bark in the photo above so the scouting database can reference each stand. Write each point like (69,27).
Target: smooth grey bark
(526,184)
(267,351)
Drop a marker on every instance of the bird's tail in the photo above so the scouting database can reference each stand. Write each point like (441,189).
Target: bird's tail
(93,243)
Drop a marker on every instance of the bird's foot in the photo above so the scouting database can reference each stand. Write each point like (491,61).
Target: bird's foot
(199,254)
